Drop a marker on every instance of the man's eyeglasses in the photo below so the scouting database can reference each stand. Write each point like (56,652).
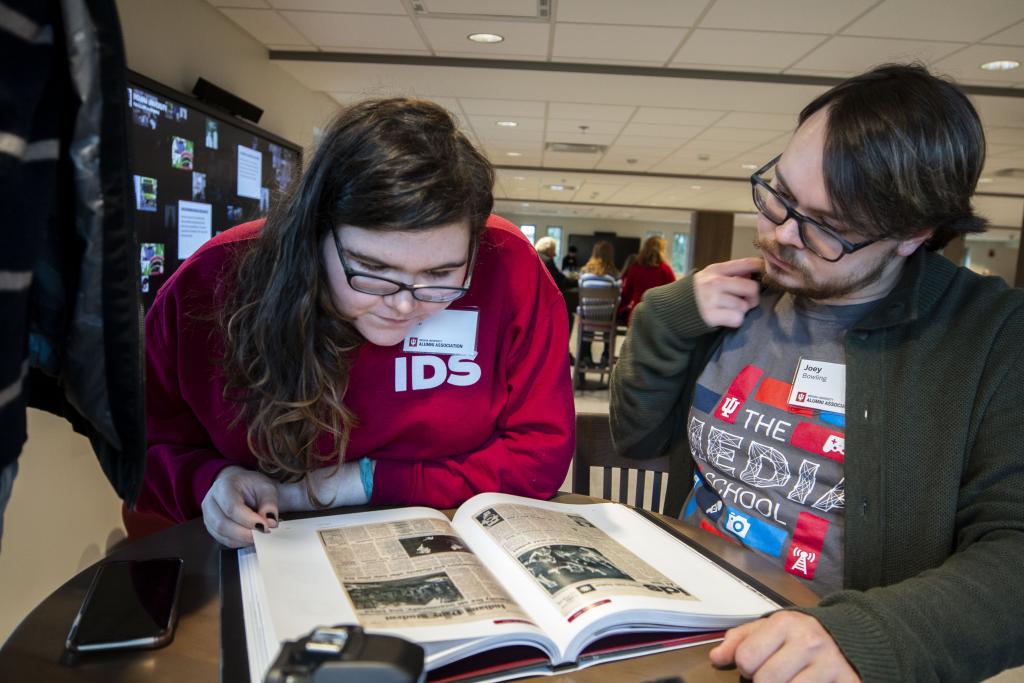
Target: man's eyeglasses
(382,286)
(817,236)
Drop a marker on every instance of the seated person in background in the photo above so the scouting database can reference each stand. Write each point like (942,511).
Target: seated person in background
(569,262)
(598,271)
(863,333)
(650,270)
(547,247)
(286,368)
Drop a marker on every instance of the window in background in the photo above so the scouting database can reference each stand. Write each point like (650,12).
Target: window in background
(679,256)
(530,231)
(555,232)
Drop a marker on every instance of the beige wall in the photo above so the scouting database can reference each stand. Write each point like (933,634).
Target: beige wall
(63,515)
(176,42)
(997,258)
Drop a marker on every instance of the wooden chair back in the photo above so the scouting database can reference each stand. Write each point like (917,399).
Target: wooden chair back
(594,449)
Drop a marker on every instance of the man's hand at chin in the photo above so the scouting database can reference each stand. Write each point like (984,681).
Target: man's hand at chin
(785,646)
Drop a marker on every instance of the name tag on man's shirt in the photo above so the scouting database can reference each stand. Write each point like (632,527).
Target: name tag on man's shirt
(819,385)
(451,332)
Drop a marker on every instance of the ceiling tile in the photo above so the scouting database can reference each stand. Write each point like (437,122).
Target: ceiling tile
(929,20)
(448,36)
(590,112)
(613,43)
(646,13)
(854,55)
(501,108)
(356,31)
(742,119)
(580,138)
(266,26)
(751,135)
(1011,36)
(358,6)
(239,3)
(812,16)
(677,117)
(558,125)
(745,48)
(661,130)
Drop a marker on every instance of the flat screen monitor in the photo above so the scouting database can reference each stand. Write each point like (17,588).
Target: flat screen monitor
(196,171)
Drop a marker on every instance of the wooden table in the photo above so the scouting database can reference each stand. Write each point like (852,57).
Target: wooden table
(35,651)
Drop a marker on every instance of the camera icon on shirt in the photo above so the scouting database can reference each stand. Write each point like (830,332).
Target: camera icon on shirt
(737,524)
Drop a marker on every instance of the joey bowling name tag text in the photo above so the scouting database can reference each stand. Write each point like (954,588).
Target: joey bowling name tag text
(819,385)
(451,332)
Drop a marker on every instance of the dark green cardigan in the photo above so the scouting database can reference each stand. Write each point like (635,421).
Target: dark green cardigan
(933,567)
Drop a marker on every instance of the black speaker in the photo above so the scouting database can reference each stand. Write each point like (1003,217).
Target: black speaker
(222,99)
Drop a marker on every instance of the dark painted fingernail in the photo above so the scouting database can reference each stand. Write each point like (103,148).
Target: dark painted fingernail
(259,528)
(272,515)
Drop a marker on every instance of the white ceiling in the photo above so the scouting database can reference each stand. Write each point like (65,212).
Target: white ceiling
(683,93)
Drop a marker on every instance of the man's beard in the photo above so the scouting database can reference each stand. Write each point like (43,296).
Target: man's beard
(817,291)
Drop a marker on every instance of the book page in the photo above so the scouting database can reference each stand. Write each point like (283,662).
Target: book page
(414,572)
(624,575)
(574,561)
(404,572)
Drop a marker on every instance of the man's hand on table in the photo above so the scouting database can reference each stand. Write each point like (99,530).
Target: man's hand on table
(785,646)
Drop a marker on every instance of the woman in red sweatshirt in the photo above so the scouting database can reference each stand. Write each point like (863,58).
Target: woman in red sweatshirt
(650,270)
(378,339)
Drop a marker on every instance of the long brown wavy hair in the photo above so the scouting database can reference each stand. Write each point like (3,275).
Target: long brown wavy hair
(652,251)
(602,260)
(392,165)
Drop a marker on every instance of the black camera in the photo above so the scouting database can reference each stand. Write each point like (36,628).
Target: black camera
(345,653)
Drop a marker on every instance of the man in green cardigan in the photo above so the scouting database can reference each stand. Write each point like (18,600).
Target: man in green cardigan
(857,334)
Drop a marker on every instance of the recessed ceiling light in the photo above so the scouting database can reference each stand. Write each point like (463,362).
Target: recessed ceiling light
(514,154)
(557,188)
(984,180)
(518,177)
(485,37)
(1000,65)
(506,124)
(694,187)
(750,167)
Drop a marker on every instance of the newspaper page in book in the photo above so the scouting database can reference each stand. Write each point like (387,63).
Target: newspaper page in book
(575,562)
(414,572)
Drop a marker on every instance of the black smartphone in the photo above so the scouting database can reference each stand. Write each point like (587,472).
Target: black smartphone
(130,604)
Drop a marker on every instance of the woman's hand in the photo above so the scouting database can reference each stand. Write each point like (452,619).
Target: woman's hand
(239,501)
(725,291)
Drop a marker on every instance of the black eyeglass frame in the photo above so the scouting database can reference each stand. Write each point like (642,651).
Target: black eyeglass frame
(847,246)
(401,286)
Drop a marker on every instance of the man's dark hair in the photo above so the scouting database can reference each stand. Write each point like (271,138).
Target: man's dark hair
(903,152)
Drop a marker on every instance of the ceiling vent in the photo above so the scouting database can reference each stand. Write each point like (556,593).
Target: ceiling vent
(575,148)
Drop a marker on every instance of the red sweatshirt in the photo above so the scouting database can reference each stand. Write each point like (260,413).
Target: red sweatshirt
(639,279)
(502,421)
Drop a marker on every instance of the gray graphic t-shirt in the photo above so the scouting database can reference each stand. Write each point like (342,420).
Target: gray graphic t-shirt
(766,430)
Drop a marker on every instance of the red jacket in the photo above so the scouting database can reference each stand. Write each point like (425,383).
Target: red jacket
(510,430)
(637,280)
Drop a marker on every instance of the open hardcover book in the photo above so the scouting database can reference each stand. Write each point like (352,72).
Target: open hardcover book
(510,587)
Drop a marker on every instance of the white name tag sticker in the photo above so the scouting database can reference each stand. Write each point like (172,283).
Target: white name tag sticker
(451,332)
(819,385)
